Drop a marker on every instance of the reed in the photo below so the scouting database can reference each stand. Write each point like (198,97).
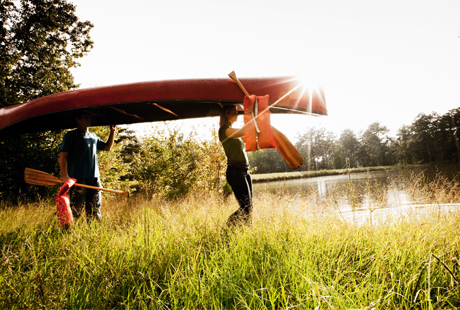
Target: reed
(165,254)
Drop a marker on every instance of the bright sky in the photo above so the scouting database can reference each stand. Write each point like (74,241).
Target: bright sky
(383,61)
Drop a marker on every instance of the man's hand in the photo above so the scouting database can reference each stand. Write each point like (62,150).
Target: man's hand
(65,179)
(109,142)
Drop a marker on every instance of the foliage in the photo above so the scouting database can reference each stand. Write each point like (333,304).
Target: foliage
(340,159)
(171,164)
(317,148)
(377,146)
(114,165)
(40,41)
(39,44)
(403,146)
(267,161)
(430,138)
(38,151)
(422,130)
(350,147)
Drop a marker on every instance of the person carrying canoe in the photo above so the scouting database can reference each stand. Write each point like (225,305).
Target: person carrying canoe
(78,160)
(238,176)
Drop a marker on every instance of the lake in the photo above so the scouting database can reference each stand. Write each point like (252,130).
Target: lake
(361,196)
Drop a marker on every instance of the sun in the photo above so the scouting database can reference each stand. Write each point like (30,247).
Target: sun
(302,98)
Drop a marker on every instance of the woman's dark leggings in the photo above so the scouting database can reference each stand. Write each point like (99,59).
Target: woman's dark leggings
(241,183)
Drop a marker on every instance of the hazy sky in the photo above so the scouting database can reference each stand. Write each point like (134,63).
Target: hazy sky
(383,61)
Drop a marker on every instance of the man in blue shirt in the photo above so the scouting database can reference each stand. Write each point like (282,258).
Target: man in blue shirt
(78,160)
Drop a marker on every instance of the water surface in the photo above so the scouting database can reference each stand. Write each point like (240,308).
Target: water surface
(379,192)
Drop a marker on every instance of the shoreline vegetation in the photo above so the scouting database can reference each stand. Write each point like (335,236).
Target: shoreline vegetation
(281,176)
(152,253)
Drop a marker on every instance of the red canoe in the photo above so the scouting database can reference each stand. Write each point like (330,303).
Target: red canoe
(157,101)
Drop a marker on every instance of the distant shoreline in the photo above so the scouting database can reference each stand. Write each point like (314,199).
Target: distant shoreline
(270,177)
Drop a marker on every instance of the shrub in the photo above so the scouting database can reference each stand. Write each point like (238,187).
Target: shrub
(170,164)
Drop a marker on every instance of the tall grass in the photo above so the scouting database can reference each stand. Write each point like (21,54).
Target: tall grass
(178,254)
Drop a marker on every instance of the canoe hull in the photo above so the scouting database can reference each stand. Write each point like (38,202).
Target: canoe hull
(156,101)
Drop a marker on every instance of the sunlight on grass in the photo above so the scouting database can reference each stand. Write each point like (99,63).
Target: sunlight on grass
(299,253)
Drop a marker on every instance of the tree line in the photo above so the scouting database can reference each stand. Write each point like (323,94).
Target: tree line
(431,138)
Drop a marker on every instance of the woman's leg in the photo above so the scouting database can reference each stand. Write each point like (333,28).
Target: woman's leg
(241,183)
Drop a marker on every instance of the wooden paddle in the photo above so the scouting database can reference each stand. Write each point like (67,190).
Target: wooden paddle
(286,149)
(37,177)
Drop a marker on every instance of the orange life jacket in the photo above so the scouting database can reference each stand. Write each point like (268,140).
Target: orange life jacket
(264,138)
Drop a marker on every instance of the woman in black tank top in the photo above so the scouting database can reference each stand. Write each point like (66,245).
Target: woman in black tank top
(238,176)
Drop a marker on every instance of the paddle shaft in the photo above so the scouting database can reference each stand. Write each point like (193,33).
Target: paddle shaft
(37,177)
(103,189)
(232,75)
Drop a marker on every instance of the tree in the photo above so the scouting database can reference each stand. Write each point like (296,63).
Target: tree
(403,150)
(445,136)
(340,159)
(267,161)
(350,145)
(455,119)
(40,41)
(39,44)
(317,148)
(430,138)
(377,146)
(422,133)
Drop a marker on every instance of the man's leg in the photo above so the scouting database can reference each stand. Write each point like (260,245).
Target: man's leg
(87,199)
(77,201)
(94,200)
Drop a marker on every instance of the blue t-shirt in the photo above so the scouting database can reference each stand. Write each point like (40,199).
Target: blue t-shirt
(82,148)
(234,149)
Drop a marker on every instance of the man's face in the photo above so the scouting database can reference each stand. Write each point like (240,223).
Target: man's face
(84,121)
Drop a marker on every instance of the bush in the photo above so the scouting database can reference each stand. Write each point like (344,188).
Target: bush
(170,164)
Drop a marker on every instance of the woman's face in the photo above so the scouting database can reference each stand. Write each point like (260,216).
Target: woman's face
(232,115)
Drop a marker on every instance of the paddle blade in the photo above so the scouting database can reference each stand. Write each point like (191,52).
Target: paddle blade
(287,150)
(36,177)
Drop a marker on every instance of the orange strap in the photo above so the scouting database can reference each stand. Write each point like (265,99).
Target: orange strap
(264,138)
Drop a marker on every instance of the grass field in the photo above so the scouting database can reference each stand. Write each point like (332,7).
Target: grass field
(298,254)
